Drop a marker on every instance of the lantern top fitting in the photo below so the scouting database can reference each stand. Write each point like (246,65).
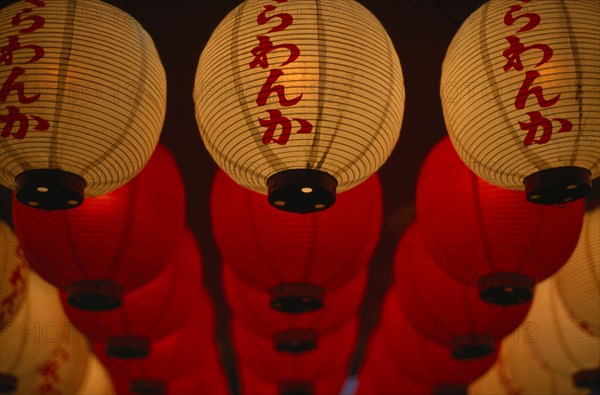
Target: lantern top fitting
(296,387)
(296,297)
(295,341)
(50,189)
(301,190)
(558,185)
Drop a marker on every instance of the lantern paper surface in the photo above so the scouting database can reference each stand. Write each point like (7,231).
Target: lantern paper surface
(445,310)
(152,311)
(578,281)
(487,236)
(96,381)
(271,249)
(489,383)
(520,371)
(520,93)
(13,274)
(253,308)
(303,84)
(83,92)
(118,241)
(561,345)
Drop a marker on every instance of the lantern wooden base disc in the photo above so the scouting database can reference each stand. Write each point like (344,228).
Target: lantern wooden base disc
(451,389)
(299,387)
(472,346)
(296,340)
(148,386)
(95,295)
(296,297)
(127,347)
(587,379)
(506,289)
(50,189)
(302,190)
(8,383)
(558,185)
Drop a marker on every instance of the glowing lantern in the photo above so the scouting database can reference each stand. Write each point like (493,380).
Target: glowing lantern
(96,381)
(299,100)
(292,331)
(13,275)
(83,99)
(490,237)
(559,343)
(578,280)
(150,312)
(296,258)
(39,328)
(489,383)
(445,310)
(112,243)
(520,96)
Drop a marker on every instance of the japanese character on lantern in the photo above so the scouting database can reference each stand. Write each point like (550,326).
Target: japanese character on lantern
(6,52)
(14,117)
(269,88)
(37,21)
(510,19)
(536,120)
(10,85)
(265,47)
(516,49)
(286,19)
(277,119)
(526,90)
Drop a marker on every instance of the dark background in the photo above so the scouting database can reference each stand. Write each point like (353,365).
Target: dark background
(421,31)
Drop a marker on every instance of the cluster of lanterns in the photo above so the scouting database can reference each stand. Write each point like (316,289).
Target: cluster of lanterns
(100,219)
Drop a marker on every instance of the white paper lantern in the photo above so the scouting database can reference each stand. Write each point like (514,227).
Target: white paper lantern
(13,275)
(32,336)
(488,384)
(82,100)
(520,96)
(578,281)
(96,381)
(559,343)
(299,98)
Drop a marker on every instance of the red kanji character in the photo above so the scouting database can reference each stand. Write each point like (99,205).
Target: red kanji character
(534,19)
(265,47)
(10,85)
(275,120)
(535,121)
(37,21)
(6,52)
(38,3)
(286,19)
(268,88)
(526,90)
(516,49)
(14,115)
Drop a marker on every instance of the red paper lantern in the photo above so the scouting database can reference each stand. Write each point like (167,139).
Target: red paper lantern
(150,312)
(295,257)
(295,371)
(252,385)
(487,236)
(421,359)
(445,310)
(189,348)
(292,332)
(111,243)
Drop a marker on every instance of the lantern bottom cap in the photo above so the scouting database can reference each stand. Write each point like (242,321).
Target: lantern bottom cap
(558,185)
(50,189)
(472,346)
(8,383)
(149,386)
(295,340)
(296,387)
(506,289)
(296,297)
(587,379)
(127,347)
(301,190)
(451,389)
(98,295)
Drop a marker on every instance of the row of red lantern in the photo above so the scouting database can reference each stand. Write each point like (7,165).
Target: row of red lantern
(294,283)
(128,270)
